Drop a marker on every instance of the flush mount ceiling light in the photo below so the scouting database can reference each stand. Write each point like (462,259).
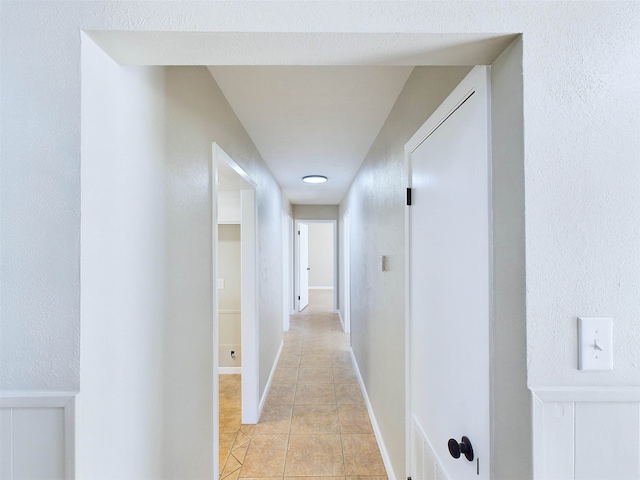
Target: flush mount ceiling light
(314,179)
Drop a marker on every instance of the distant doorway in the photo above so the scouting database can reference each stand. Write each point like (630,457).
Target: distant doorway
(315,261)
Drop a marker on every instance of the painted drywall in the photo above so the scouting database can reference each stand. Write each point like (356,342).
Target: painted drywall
(376,203)
(147,288)
(315,212)
(321,252)
(124,260)
(229,267)
(511,403)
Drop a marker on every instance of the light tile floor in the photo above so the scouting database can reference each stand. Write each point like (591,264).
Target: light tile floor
(315,422)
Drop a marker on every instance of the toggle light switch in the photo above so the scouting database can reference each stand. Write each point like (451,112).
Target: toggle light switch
(595,343)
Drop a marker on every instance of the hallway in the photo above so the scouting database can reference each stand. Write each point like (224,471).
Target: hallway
(315,422)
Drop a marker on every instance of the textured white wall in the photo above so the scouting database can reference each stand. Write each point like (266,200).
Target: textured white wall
(124,260)
(146,304)
(376,203)
(229,270)
(321,253)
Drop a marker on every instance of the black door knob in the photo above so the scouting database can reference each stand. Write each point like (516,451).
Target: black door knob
(464,448)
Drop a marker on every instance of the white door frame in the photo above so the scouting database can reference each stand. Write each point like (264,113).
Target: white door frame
(335,258)
(446,109)
(249,311)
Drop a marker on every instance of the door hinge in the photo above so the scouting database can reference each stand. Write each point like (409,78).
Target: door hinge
(408,196)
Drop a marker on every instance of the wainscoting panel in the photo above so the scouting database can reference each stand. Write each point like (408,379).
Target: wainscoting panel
(590,433)
(36,435)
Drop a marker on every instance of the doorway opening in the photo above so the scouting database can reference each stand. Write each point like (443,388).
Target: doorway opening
(316,264)
(236,394)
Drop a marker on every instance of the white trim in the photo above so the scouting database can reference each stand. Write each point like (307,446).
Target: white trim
(374,423)
(229,370)
(479,75)
(36,399)
(326,287)
(335,260)
(50,399)
(268,386)
(228,312)
(586,394)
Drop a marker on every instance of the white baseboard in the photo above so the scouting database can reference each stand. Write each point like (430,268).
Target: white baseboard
(263,399)
(325,287)
(374,423)
(340,317)
(229,370)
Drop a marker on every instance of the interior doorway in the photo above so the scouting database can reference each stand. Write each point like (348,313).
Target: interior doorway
(315,260)
(450,293)
(234,230)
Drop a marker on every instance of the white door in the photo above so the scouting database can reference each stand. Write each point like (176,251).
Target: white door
(303,266)
(450,289)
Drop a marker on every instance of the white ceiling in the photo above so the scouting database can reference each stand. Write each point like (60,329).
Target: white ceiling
(312,120)
(311,102)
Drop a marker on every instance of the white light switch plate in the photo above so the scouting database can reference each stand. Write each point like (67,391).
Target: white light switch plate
(220,283)
(595,343)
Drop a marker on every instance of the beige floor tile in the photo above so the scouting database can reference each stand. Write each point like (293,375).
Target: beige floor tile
(231,465)
(354,419)
(247,430)
(314,393)
(316,349)
(230,418)
(314,455)
(285,376)
(362,456)
(315,361)
(341,359)
(240,452)
(265,457)
(274,419)
(315,375)
(226,442)
(233,475)
(367,477)
(344,374)
(306,477)
(289,361)
(241,439)
(230,389)
(281,394)
(293,348)
(315,419)
(349,393)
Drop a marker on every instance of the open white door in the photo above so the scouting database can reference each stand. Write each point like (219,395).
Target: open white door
(449,278)
(303,266)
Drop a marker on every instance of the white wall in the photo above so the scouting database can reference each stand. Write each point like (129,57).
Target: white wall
(315,212)
(145,407)
(321,255)
(376,203)
(124,260)
(229,296)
